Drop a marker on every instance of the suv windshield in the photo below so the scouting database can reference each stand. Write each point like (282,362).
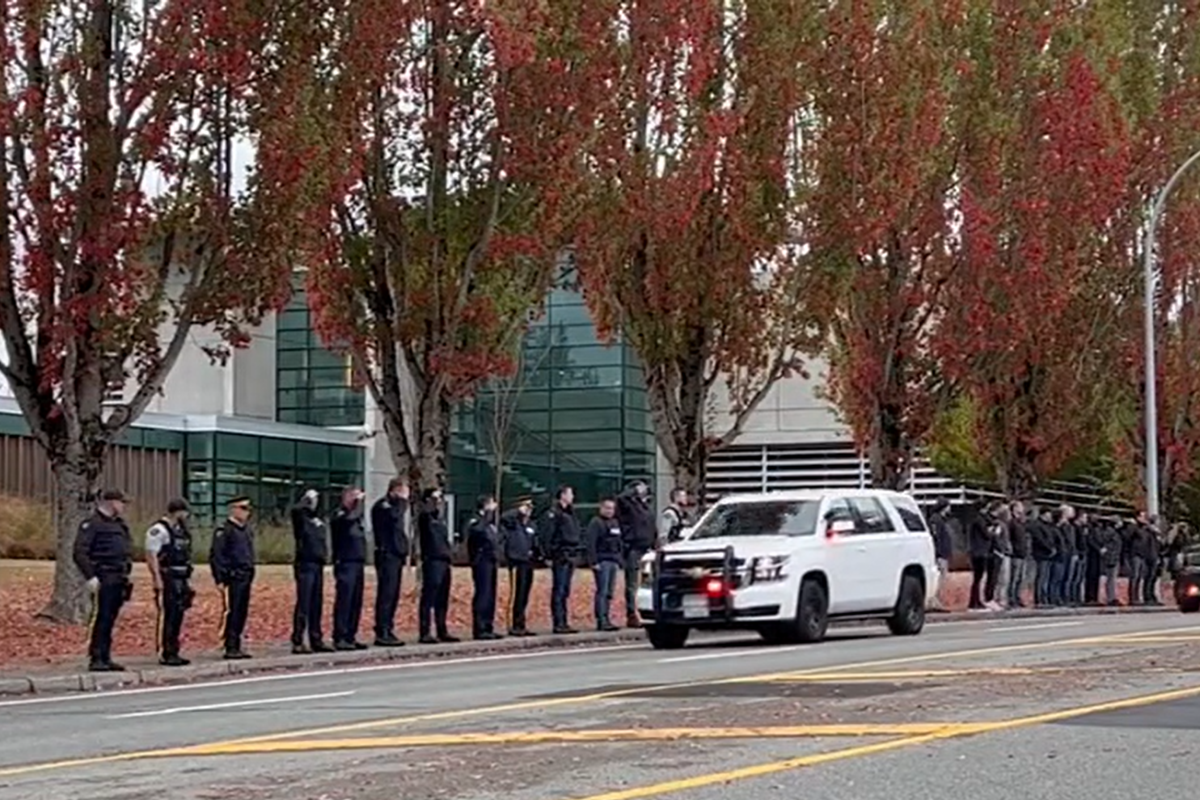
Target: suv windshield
(761,518)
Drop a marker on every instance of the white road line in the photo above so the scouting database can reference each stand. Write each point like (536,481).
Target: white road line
(1039,627)
(763,651)
(324,673)
(159,712)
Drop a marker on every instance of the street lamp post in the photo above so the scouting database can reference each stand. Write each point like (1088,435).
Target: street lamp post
(1151,366)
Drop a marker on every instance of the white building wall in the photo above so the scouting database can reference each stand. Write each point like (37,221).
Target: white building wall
(254,375)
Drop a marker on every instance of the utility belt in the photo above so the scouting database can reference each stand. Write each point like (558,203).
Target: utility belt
(179,573)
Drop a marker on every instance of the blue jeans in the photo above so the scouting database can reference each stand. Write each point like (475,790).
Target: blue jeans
(560,593)
(1058,580)
(606,582)
(1041,589)
(1075,584)
(1110,583)
(1016,580)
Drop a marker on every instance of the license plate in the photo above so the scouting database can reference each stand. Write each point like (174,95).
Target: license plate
(695,606)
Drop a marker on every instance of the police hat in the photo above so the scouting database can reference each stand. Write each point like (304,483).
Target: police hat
(523,500)
(240,500)
(114,496)
(177,505)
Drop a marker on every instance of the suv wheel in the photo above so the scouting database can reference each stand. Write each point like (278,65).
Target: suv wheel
(667,637)
(812,612)
(909,616)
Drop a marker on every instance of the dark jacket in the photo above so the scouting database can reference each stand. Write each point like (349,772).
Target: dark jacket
(637,521)
(1109,540)
(308,529)
(349,538)
(483,545)
(603,540)
(103,547)
(563,537)
(943,541)
(518,534)
(232,554)
(433,536)
(979,541)
(387,527)
(1069,538)
(1019,537)
(1043,543)
(1140,542)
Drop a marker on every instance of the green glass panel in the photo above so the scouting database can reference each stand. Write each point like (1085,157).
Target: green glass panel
(281,452)
(585,398)
(607,420)
(574,441)
(13,425)
(162,440)
(325,359)
(200,445)
(338,377)
(292,319)
(292,339)
(346,458)
(633,377)
(237,447)
(583,356)
(312,455)
(585,378)
(291,359)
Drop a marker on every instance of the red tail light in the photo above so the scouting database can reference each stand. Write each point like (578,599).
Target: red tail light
(714,587)
(1193,590)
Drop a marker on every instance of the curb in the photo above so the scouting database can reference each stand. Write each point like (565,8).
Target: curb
(213,670)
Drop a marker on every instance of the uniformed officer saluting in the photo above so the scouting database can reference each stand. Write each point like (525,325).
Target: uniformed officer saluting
(232,563)
(104,554)
(169,559)
(388,518)
(483,551)
(516,528)
(349,556)
(312,551)
(434,543)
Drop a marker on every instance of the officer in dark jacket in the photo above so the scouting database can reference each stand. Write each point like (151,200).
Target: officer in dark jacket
(169,559)
(308,571)
(483,551)
(564,544)
(1110,546)
(1092,567)
(1043,546)
(639,537)
(605,555)
(349,560)
(103,552)
(436,553)
(518,535)
(388,525)
(1153,558)
(232,562)
(1019,542)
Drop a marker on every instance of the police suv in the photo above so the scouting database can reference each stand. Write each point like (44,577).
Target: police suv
(785,564)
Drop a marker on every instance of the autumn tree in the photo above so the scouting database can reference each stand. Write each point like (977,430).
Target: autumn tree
(1045,177)
(689,249)
(500,404)
(884,76)
(128,222)
(465,121)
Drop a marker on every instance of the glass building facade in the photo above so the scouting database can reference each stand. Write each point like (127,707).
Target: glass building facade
(313,385)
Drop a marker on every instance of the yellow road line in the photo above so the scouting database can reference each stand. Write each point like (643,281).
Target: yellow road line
(759,770)
(575,737)
(594,697)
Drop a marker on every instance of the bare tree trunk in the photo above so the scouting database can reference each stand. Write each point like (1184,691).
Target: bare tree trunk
(76,480)
(433,444)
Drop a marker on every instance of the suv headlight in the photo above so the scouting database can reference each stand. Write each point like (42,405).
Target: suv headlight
(767,568)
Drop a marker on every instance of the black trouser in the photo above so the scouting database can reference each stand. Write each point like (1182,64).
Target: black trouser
(1091,577)
(310,599)
(520,583)
(1150,589)
(236,595)
(175,600)
(483,603)
(388,570)
(347,600)
(435,597)
(995,563)
(110,596)
(979,571)
(633,574)
(560,592)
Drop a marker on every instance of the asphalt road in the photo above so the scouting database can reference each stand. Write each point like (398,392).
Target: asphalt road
(1062,708)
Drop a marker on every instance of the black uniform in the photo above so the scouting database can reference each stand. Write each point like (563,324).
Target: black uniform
(606,554)
(391,551)
(232,563)
(349,559)
(312,553)
(638,535)
(436,555)
(518,534)
(104,550)
(483,550)
(564,543)
(175,567)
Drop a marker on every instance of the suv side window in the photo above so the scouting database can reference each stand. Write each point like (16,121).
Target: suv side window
(838,511)
(871,516)
(910,514)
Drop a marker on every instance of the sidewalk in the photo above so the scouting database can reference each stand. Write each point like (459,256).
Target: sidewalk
(58,679)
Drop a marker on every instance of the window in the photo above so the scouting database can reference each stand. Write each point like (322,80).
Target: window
(839,511)
(872,518)
(770,518)
(906,507)
(235,447)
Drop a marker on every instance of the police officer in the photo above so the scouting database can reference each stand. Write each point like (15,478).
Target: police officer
(483,551)
(605,556)
(639,536)
(564,543)
(103,552)
(388,517)
(232,562)
(312,552)
(433,538)
(673,517)
(349,560)
(169,559)
(517,531)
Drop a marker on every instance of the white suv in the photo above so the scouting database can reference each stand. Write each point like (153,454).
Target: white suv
(787,563)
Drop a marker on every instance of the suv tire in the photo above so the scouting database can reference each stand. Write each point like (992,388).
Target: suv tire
(812,612)
(667,637)
(909,616)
